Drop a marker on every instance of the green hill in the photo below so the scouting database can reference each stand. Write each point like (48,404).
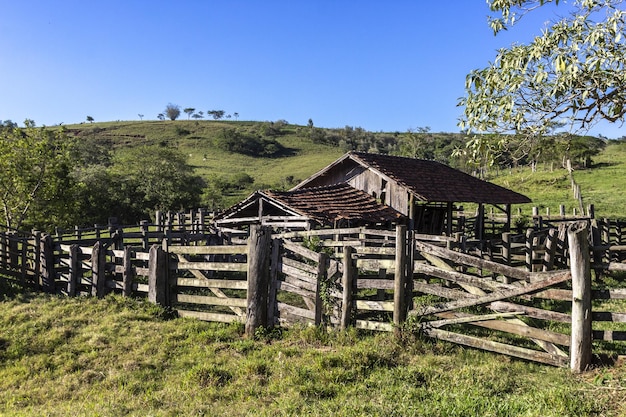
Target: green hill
(299,151)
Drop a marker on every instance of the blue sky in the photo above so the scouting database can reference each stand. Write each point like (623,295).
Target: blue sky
(380,65)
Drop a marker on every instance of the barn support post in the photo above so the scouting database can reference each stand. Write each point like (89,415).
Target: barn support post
(580,351)
(348,281)
(158,287)
(258,278)
(46,264)
(98,270)
(400,280)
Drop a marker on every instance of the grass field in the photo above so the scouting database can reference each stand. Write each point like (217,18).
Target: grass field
(124,357)
(117,356)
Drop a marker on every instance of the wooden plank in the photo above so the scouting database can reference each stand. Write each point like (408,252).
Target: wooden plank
(378,284)
(486,283)
(614,294)
(312,269)
(297,273)
(555,294)
(310,286)
(533,312)
(300,250)
(374,325)
(210,266)
(497,295)
(609,335)
(287,287)
(370,305)
(379,251)
(469,318)
(507,326)
(608,316)
(202,315)
(214,301)
(209,250)
(519,352)
(440,291)
(464,259)
(375,264)
(296,311)
(212,283)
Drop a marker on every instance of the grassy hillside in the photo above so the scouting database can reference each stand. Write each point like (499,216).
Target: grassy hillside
(199,140)
(602,184)
(119,356)
(301,156)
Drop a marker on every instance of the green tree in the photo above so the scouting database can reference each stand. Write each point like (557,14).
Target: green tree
(35,166)
(570,76)
(189,111)
(162,181)
(90,119)
(217,114)
(172,111)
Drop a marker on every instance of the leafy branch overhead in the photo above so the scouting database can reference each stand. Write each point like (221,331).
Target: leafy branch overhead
(571,76)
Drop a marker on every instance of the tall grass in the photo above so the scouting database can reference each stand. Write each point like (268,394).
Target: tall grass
(120,356)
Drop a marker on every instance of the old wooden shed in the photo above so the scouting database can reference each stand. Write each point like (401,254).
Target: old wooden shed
(334,205)
(423,191)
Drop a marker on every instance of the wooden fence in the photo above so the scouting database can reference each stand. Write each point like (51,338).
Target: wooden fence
(372,279)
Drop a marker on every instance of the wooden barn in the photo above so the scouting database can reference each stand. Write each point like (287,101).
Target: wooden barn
(423,191)
(334,205)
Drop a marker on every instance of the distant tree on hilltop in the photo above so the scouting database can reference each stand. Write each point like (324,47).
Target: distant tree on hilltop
(189,111)
(172,111)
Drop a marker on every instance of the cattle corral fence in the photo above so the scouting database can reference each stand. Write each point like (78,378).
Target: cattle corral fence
(528,296)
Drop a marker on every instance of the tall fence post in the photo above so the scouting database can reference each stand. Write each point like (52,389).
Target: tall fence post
(75,269)
(127,272)
(158,288)
(272,303)
(98,270)
(46,263)
(322,262)
(258,278)
(348,282)
(580,351)
(400,279)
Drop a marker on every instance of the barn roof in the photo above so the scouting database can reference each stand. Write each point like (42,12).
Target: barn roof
(325,205)
(427,180)
(336,202)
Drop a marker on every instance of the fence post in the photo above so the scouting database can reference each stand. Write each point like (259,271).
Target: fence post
(506,247)
(74,272)
(258,278)
(272,302)
(36,256)
(580,351)
(400,279)
(127,272)
(98,270)
(48,274)
(158,276)
(348,281)
(143,226)
(529,249)
(322,261)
